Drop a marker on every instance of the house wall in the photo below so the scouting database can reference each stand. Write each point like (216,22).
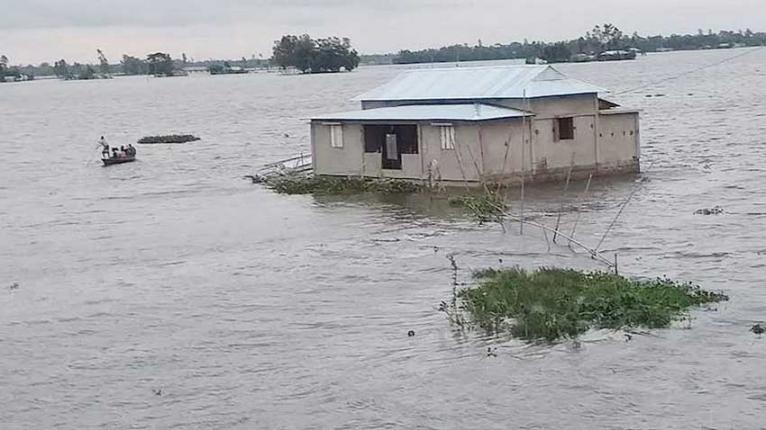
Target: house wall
(549,107)
(345,161)
(619,141)
(551,154)
(351,160)
(542,106)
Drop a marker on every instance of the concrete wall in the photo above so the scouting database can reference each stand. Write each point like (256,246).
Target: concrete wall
(543,107)
(337,161)
(550,107)
(619,141)
(558,154)
(351,160)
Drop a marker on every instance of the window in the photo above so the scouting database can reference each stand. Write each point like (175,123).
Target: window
(565,128)
(447,136)
(336,136)
(406,136)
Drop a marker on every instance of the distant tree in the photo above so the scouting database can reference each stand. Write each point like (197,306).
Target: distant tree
(215,69)
(134,66)
(8,71)
(86,72)
(284,51)
(160,64)
(61,69)
(83,72)
(3,67)
(604,38)
(557,53)
(103,63)
(316,56)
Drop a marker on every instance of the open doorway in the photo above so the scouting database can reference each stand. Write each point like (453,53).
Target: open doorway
(391,141)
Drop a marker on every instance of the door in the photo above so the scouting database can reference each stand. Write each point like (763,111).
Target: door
(392,156)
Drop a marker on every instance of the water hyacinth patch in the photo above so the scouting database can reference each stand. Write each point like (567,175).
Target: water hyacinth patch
(304,184)
(170,138)
(550,303)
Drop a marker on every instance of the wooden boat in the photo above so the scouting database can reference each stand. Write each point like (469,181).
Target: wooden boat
(118,159)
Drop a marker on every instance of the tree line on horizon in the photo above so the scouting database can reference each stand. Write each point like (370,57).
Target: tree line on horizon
(324,55)
(599,39)
(334,54)
(157,64)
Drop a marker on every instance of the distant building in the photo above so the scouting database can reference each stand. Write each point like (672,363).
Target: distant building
(478,124)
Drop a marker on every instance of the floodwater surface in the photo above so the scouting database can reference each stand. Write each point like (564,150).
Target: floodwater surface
(172,293)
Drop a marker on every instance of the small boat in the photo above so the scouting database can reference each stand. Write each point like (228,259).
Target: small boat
(118,159)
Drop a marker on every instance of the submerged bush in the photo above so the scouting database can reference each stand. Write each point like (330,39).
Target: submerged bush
(485,207)
(551,303)
(304,184)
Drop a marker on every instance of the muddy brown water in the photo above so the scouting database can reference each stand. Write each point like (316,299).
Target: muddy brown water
(171,293)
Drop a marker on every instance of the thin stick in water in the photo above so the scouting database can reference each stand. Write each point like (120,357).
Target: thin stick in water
(614,221)
(579,211)
(561,210)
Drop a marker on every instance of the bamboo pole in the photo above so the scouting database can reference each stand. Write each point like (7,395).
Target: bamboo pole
(582,197)
(460,164)
(566,188)
(614,221)
(594,253)
(508,144)
(479,172)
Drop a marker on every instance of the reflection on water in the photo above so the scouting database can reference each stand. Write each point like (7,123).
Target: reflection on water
(254,310)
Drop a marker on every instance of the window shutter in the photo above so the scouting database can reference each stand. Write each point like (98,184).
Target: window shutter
(336,136)
(556,133)
(447,136)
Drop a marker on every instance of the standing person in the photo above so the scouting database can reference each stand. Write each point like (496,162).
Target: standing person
(104,147)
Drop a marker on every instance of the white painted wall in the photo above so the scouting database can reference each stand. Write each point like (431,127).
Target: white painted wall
(618,139)
(552,154)
(337,161)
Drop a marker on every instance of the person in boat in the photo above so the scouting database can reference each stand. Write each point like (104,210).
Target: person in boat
(131,150)
(114,153)
(104,147)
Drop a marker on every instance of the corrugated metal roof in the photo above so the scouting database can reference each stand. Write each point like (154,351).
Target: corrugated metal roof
(497,82)
(428,112)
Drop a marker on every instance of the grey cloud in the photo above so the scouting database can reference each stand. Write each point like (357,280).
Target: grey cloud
(32,14)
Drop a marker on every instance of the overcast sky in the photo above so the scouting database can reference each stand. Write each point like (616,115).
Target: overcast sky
(32,31)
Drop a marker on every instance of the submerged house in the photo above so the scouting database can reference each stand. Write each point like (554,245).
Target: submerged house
(478,124)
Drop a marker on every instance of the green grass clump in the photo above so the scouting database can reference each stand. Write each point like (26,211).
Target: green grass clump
(551,303)
(484,207)
(304,184)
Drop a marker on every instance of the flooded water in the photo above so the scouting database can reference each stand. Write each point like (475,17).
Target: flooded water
(171,293)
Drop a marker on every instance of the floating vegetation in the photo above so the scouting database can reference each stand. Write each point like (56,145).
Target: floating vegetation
(170,138)
(306,184)
(549,303)
(486,207)
(758,329)
(716,210)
